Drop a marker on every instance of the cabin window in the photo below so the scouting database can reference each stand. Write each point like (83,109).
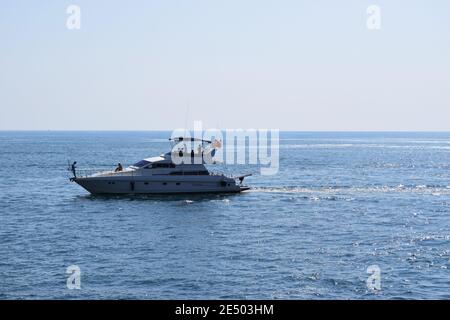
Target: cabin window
(163,165)
(190,173)
(146,183)
(141,163)
(178,183)
(164,183)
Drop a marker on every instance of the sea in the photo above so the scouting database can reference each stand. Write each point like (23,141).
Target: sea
(348,215)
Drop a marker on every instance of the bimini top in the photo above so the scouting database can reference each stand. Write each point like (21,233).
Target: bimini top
(177,139)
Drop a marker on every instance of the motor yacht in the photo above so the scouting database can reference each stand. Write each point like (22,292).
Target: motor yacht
(177,171)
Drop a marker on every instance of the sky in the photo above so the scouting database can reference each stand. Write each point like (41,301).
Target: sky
(280,64)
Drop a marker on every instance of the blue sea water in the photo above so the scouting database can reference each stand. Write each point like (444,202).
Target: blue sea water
(340,203)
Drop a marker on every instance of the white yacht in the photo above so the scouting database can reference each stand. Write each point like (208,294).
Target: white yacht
(172,172)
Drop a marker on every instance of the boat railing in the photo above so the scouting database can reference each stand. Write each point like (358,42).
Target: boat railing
(215,173)
(84,173)
(98,171)
(102,171)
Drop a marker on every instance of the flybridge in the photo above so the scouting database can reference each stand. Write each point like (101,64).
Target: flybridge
(179,139)
(230,146)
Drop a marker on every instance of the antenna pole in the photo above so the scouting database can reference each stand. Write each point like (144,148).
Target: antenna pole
(186,119)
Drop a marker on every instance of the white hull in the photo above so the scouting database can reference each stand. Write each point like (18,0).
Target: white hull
(157,186)
(159,175)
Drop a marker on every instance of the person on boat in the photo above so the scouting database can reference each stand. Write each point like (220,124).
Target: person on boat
(119,168)
(192,156)
(199,149)
(74,171)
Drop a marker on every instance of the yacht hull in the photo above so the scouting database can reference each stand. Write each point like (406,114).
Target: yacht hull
(147,186)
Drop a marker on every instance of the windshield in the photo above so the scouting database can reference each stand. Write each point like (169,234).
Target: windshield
(141,164)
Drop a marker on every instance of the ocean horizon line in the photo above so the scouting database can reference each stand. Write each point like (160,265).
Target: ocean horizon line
(286,131)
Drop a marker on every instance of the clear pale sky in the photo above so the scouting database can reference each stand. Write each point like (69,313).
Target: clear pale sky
(291,65)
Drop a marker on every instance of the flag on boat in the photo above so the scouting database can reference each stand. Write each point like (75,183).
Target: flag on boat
(217,144)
